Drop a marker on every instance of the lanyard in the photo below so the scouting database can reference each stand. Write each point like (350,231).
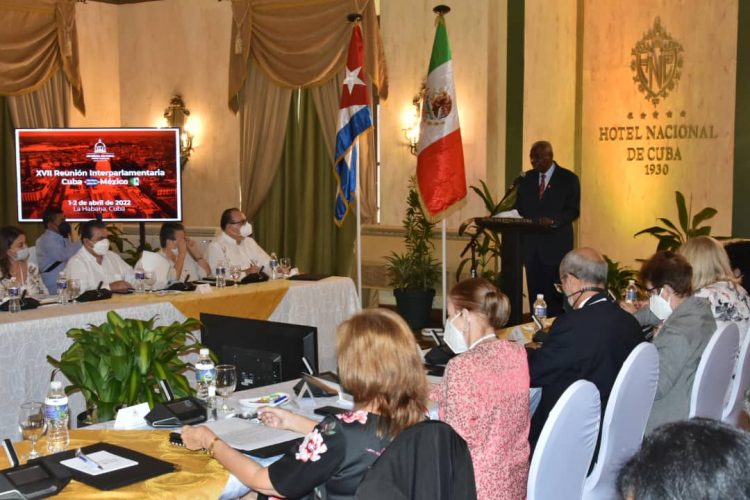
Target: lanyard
(478,341)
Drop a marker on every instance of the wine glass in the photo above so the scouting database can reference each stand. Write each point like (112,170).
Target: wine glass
(32,425)
(235,272)
(74,288)
(149,278)
(226,379)
(286,266)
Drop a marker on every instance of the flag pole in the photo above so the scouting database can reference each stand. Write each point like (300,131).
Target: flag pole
(359,229)
(445,274)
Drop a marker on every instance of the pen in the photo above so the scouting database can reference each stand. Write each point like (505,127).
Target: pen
(81,455)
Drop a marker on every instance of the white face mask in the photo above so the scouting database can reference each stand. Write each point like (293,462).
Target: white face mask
(246,229)
(453,336)
(175,251)
(101,247)
(21,254)
(659,306)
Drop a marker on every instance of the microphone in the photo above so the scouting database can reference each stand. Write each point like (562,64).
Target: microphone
(187,278)
(99,286)
(166,390)
(260,271)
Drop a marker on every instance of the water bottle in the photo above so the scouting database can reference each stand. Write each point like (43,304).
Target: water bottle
(273,265)
(205,378)
(221,275)
(14,296)
(540,307)
(140,276)
(62,289)
(56,415)
(631,292)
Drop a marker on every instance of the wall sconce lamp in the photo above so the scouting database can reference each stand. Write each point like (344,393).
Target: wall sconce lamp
(412,122)
(177,115)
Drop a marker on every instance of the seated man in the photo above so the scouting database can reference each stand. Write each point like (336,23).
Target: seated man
(94,263)
(696,459)
(53,247)
(234,246)
(589,342)
(178,259)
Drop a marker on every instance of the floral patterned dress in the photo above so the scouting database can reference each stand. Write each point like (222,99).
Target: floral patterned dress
(332,460)
(484,396)
(729,303)
(32,282)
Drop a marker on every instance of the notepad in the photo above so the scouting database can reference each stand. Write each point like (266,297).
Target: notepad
(109,462)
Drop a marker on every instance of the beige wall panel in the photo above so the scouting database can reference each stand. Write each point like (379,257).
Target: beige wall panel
(100,65)
(549,78)
(618,197)
(181,46)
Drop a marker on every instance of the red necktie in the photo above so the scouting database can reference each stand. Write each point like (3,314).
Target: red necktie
(541,187)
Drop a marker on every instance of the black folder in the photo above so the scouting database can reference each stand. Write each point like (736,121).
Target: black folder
(147,467)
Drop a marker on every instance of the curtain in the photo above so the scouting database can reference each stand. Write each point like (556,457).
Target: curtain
(300,43)
(296,220)
(326,98)
(47,107)
(38,37)
(263,124)
(7,167)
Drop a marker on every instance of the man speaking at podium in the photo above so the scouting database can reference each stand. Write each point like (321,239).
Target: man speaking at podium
(550,195)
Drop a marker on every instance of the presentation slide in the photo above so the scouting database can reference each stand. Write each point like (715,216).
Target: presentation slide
(122,174)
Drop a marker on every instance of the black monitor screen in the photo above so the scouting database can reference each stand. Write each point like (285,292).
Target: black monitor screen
(225,334)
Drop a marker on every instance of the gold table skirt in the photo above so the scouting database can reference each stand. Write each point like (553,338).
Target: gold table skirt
(200,476)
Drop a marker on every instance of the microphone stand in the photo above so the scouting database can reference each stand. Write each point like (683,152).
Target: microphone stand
(473,246)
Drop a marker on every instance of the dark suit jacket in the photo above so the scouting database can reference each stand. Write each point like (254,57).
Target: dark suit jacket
(561,202)
(589,343)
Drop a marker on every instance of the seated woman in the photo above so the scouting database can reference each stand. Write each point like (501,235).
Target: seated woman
(683,325)
(714,280)
(14,264)
(484,394)
(380,367)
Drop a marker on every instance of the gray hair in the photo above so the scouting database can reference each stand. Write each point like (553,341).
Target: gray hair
(586,264)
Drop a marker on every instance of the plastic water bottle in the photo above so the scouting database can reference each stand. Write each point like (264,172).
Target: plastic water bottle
(631,292)
(140,276)
(273,265)
(56,415)
(540,307)
(14,296)
(221,275)
(62,289)
(205,378)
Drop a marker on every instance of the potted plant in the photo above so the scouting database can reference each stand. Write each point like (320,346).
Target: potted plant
(120,362)
(413,273)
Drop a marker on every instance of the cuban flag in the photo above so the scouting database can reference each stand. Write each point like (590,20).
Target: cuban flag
(354,119)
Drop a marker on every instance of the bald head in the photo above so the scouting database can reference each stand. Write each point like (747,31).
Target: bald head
(541,156)
(587,265)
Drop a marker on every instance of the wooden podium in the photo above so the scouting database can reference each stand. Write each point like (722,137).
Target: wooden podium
(511,258)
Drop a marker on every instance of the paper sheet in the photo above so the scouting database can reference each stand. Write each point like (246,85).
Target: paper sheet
(247,435)
(109,462)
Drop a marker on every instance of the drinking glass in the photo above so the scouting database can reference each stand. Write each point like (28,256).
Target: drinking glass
(149,278)
(286,266)
(235,272)
(74,288)
(226,379)
(32,425)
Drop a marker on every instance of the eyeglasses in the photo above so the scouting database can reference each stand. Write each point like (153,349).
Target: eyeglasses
(240,222)
(654,290)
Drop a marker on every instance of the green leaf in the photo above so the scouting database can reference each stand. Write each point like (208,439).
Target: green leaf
(682,211)
(704,214)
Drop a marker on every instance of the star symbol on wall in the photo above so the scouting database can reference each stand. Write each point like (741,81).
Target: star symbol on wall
(669,114)
(682,114)
(656,114)
(630,115)
(352,78)
(643,116)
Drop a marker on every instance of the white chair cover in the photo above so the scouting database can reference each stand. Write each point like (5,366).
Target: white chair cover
(625,419)
(733,408)
(715,373)
(565,446)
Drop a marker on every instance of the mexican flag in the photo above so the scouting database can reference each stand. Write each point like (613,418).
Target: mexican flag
(440,162)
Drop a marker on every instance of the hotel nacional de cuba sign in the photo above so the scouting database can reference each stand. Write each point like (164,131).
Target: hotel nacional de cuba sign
(652,139)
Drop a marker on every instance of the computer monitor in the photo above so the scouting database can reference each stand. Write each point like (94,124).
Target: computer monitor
(264,352)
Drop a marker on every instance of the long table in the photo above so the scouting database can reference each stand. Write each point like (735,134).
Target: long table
(26,338)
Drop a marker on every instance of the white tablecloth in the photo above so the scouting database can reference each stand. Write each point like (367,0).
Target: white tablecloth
(28,337)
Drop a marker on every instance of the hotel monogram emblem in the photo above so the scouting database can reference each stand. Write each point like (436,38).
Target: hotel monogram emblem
(656,63)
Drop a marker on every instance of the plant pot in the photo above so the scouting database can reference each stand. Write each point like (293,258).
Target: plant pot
(414,306)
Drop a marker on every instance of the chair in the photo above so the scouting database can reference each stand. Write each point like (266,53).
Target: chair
(429,460)
(624,419)
(714,373)
(565,446)
(733,408)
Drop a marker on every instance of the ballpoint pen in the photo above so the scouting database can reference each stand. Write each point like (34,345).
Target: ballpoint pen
(85,458)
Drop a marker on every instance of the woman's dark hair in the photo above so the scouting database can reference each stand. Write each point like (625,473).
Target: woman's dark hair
(697,459)
(668,268)
(739,258)
(479,295)
(8,234)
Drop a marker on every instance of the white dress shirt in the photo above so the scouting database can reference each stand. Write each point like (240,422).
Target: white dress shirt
(159,263)
(84,267)
(225,248)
